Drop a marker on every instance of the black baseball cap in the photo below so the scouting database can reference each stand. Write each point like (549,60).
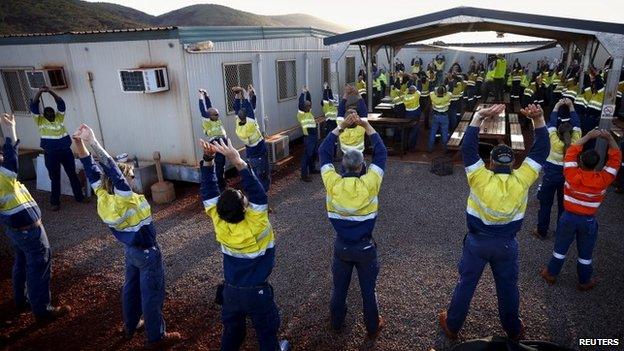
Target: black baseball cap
(502,154)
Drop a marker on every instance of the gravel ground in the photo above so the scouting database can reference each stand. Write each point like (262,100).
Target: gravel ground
(419,233)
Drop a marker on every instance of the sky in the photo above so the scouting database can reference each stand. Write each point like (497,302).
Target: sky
(366,13)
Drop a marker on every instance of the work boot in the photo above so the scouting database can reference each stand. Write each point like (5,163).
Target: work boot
(449,334)
(306,178)
(54,313)
(549,278)
(381,323)
(55,208)
(587,286)
(520,334)
(538,235)
(167,341)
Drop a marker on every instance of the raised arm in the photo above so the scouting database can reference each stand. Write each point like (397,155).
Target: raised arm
(204,103)
(209,188)
(253,188)
(302,100)
(60,104)
(92,171)
(541,147)
(107,163)
(361,108)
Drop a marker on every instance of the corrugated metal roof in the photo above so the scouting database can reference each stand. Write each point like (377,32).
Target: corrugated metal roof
(240,33)
(470,19)
(127,30)
(184,34)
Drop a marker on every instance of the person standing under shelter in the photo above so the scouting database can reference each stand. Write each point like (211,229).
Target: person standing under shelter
(495,210)
(56,145)
(352,205)
(440,103)
(500,69)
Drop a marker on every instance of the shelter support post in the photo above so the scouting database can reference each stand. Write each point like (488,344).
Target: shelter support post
(336,52)
(614,44)
(391,60)
(586,61)
(569,55)
(369,76)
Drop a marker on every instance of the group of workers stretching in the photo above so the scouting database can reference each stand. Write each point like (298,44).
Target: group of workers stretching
(495,210)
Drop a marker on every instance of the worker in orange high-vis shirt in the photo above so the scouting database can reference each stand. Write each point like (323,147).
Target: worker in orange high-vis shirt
(584,190)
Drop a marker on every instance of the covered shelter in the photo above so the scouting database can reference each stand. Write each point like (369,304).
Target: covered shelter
(567,32)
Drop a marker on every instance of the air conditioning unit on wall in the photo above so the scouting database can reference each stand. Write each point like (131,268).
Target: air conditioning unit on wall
(53,78)
(278,147)
(144,80)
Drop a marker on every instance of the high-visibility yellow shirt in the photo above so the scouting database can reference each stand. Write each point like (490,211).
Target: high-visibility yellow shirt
(557,145)
(213,129)
(500,68)
(306,119)
(440,104)
(249,133)
(330,110)
(361,87)
(412,101)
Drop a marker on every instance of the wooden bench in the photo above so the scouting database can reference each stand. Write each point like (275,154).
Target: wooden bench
(457,136)
(517,139)
(467,116)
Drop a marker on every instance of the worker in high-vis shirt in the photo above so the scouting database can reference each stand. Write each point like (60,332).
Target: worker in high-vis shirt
(21,217)
(495,210)
(361,87)
(310,134)
(330,108)
(426,87)
(242,228)
(500,69)
(129,217)
(56,145)
(563,130)
(352,205)
(593,96)
(212,126)
(456,87)
(440,102)
(248,131)
(585,189)
(413,112)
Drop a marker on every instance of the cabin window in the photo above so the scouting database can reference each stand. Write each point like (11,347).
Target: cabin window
(286,80)
(17,89)
(235,74)
(325,71)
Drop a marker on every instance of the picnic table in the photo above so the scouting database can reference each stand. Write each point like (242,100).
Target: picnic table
(493,128)
(402,124)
